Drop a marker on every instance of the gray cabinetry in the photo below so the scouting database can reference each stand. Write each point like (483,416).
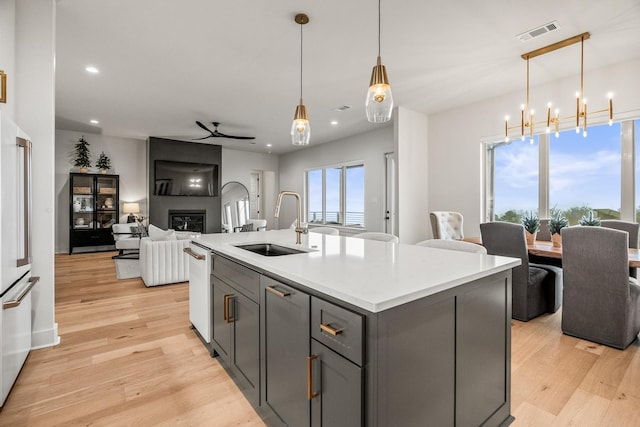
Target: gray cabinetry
(236,323)
(286,342)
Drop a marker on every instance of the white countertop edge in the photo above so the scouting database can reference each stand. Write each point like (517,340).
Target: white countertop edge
(226,246)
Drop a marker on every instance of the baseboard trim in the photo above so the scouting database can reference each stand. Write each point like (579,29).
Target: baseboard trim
(45,338)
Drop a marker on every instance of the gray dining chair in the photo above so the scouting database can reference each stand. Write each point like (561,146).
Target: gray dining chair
(529,284)
(453,245)
(601,302)
(633,228)
(544,233)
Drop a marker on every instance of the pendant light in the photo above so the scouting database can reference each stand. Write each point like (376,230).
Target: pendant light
(301,129)
(379,103)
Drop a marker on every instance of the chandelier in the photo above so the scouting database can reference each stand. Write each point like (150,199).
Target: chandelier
(528,124)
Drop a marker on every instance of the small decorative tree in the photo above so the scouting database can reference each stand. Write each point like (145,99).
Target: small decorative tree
(590,221)
(556,224)
(103,163)
(82,155)
(531,224)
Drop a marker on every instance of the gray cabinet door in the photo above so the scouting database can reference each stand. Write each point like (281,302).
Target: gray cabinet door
(221,329)
(286,351)
(338,385)
(246,342)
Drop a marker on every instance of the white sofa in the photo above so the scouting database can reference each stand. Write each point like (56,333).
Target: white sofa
(163,261)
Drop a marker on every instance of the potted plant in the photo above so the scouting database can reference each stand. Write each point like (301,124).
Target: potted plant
(103,163)
(556,224)
(82,155)
(589,221)
(531,224)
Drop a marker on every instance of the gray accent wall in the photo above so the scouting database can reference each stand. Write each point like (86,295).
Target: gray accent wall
(181,151)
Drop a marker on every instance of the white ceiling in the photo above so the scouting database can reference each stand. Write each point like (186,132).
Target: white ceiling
(165,64)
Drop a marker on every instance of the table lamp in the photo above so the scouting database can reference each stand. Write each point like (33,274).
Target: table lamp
(131,209)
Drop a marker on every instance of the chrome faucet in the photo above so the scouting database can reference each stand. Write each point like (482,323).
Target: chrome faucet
(299,229)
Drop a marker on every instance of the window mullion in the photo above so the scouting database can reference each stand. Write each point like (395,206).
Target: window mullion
(543,175)
(627,189)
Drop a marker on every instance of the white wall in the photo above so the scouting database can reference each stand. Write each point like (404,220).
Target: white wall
(368,147)
(7,53)
(411,131)
(35,113)
(455,148)
(238,165)
(128,159)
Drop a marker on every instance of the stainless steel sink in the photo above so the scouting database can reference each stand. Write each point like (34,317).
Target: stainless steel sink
(270,249)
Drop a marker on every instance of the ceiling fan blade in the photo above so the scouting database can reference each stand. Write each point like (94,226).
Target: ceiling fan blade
(222,135)
(204,127)
(197,139)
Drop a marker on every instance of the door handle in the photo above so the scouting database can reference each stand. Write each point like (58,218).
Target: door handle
(16,302)
(190,252)
(227,309)
(310,393)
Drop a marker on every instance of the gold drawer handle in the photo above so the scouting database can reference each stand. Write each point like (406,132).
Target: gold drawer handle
(310,393)
(277,292)
(328,329)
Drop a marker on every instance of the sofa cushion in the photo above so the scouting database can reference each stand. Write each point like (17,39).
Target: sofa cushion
(157,234)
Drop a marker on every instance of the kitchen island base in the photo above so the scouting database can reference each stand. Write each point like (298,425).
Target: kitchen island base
(303,357)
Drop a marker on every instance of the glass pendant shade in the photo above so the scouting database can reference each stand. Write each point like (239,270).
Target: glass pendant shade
(379,103)
(300,128)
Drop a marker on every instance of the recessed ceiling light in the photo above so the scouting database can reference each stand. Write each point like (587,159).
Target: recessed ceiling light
(334,122)
(91,69)
(269,145)
(94,121)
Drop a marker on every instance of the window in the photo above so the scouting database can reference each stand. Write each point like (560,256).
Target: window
(515,180)
(585,173)
(571,174)
(335,195)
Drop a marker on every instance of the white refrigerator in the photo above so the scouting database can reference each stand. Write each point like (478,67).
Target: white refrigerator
(15,252)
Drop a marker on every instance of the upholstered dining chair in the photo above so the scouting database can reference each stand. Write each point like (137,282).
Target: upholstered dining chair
(325,230)
(601,302)
(446,225)
(544,233)
(373,235)
(633,228)
(529,284)
(453,245)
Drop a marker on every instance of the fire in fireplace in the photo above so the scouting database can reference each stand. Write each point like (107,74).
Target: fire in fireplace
(187,220)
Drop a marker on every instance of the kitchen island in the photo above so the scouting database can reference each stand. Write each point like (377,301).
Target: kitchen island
(358,332)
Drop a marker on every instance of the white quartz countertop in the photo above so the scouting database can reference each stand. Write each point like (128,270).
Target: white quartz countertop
(369,274)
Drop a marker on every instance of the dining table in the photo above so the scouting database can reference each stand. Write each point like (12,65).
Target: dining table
(545,249)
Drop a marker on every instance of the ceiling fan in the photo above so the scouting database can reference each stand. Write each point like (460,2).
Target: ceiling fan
(216,134)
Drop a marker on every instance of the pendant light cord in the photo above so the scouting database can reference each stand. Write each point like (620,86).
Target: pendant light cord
(300,62)
(379,27)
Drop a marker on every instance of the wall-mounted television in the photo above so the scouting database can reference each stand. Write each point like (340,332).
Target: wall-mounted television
(185,179)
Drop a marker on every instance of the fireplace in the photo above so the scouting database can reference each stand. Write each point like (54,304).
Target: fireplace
(187,220)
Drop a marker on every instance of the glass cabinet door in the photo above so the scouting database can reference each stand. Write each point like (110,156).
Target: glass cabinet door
(107,201)
(83,203)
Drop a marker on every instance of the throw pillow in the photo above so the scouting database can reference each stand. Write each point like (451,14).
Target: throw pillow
(156,233)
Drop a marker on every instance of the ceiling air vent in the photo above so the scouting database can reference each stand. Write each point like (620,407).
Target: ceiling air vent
(343,108)
(537,32)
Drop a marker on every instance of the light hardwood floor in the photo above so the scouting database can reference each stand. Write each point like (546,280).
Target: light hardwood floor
(128,357)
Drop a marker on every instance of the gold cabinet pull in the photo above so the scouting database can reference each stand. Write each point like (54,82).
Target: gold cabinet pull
(310,393)
(191,253)
(227,309)
(328,329)
(273,290)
